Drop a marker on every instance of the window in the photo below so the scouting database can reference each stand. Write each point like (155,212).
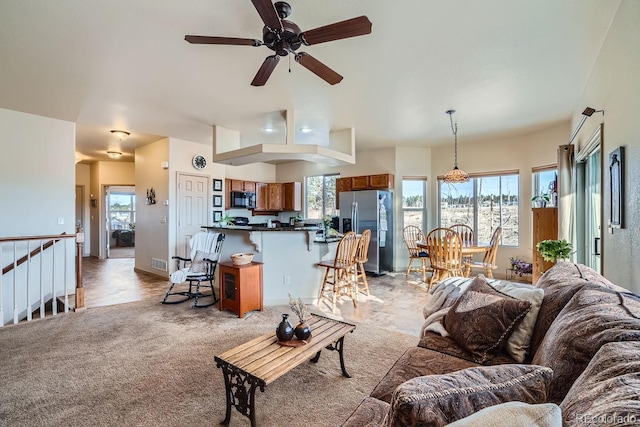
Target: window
(321,196)
(414,195)
(484,203)
(122,211)
(544,181)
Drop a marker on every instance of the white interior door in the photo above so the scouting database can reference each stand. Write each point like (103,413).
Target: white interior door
(193,209)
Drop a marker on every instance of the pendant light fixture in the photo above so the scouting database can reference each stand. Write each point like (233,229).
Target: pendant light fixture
(455,175)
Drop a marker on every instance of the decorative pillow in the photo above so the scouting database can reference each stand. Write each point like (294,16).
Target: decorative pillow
(450,289)
(482,319)
(518,343)
(437,400)
(514,414)
(198,265)
(592,318)
(606,393)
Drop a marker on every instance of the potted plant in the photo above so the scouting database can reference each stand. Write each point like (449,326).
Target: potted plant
(541,200)
(553,250)
(226,219)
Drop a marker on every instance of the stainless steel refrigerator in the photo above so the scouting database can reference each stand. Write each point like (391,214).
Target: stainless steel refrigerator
(372,209)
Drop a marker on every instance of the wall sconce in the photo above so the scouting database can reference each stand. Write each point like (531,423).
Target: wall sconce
(164,165)
(114,154)
(588,112)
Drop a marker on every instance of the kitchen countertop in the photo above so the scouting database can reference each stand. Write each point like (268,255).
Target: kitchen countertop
(261,228)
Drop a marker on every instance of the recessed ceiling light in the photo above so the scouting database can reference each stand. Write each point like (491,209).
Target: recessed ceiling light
(305,129)
(268,129)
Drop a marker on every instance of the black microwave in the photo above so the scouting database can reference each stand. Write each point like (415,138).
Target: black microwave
(241,199)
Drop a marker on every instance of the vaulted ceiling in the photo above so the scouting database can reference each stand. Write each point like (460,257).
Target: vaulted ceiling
(504,65)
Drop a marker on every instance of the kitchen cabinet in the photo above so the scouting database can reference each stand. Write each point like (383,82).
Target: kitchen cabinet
(343,184)
(545,227)
(360,182)
(381,182)
(275,200)
(276,197)
(239,185)
(268,196)
(241,287)
(292,196)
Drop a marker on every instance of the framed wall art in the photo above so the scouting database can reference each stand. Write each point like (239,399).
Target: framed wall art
(217,216)
(616,188)
(217,185)
(217,201)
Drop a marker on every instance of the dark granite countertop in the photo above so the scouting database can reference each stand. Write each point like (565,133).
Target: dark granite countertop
(259,228)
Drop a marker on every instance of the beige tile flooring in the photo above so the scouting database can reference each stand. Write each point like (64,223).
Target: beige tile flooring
(395,302)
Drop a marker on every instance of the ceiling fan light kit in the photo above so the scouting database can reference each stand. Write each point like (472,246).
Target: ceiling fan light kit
(455,175)
(285,37)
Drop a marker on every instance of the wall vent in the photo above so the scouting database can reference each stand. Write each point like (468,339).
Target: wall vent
(159,264)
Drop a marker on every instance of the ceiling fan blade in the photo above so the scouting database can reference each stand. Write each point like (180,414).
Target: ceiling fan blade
(222,40)
(318,68)
(268,14)
(265,70)
(340,30)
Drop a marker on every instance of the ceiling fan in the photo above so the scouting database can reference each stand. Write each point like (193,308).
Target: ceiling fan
(285,37)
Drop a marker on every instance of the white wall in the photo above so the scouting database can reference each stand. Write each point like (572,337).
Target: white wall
(37,192)
(614,86)
(152,236)
(37,173)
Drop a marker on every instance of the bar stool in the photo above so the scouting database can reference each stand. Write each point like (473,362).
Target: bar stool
(362,256)
(337,280)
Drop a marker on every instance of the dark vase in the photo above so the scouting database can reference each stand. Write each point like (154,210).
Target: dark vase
(303,331)
(284,331)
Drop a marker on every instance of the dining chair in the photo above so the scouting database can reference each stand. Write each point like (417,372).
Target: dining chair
(467,236)
(362,256)
(465,232)
(338,277)
(196,274)
(488,263)
(445,254)
(411,235)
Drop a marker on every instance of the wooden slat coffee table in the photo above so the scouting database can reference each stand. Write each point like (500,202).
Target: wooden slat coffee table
(262,360)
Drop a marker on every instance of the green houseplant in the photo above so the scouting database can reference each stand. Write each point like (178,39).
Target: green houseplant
(553,250)
(541,200)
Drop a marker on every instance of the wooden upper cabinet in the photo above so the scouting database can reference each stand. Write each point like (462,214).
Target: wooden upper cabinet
(359,182)
(262,196)
(343,184)
(381,182)
(240,185)
(292,196)
(275,199)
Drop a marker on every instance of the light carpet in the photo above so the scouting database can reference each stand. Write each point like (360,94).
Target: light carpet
(147,364)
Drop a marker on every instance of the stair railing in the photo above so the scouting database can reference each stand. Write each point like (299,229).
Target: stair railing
(38,269)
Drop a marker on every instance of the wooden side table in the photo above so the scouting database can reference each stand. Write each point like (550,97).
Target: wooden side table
(240,287)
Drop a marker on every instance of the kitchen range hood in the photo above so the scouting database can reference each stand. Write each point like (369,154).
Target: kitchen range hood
(338,150)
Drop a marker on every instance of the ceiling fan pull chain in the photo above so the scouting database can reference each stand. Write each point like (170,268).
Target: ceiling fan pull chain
(289,62)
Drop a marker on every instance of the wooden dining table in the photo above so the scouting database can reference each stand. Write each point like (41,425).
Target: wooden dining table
(467,249)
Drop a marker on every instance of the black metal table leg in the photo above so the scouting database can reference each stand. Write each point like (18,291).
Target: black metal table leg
(240,388)
(338,347)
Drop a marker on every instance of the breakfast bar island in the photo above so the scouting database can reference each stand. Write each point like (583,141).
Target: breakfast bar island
(289,257)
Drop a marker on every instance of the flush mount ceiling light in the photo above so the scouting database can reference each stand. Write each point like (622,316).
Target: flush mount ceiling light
(305,129)
(114,154)
(455,175)
(268,129)
(120,134)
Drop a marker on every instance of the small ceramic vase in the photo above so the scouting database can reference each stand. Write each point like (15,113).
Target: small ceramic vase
(303,331)
(284,331)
